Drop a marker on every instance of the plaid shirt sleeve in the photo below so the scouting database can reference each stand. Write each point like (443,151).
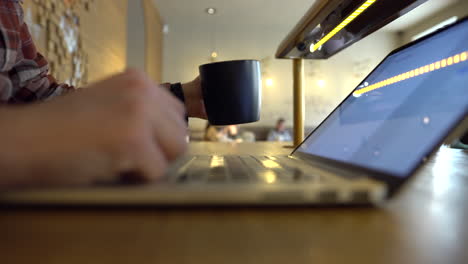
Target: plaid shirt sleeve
(23,71)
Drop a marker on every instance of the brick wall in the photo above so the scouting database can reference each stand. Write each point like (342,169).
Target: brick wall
(102,26)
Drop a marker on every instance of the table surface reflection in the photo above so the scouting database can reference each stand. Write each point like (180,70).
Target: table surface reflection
(426,223)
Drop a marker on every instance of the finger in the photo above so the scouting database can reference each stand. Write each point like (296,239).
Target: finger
(142,161)
(170,131)
(152,162)
(163,106)
(169,100)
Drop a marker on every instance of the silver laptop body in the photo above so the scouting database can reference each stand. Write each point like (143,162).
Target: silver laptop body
(362,153)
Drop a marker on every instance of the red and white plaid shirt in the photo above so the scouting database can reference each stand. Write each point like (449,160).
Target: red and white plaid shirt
(23,71)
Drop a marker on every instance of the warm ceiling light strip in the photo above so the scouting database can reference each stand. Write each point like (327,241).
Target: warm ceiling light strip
(447,62)
(343,24)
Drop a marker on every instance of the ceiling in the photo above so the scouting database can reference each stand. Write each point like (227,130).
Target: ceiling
(265,13)
(418,14)
(256,13)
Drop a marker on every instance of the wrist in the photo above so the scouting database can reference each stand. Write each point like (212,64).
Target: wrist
(191,98)
(188,89)
(177,90)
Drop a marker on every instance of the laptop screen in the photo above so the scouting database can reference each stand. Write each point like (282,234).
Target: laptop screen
(403,109)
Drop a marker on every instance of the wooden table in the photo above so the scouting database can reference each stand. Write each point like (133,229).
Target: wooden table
(426,223)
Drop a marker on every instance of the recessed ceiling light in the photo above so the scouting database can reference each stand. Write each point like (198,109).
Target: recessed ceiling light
(210,10)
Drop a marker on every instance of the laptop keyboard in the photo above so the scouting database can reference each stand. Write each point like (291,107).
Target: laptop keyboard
(239,169)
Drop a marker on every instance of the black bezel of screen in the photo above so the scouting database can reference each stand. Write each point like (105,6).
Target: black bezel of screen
(392,180)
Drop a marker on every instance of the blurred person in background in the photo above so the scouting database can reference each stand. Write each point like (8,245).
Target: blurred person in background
(279,133)
(232,133)
(227,134)
(215,133)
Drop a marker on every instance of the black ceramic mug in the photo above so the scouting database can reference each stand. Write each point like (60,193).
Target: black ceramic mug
(232,91)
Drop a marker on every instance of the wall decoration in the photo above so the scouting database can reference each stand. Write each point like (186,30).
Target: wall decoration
(64,44)
(361,68)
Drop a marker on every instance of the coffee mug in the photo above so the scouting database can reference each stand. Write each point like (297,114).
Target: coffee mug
(232,91)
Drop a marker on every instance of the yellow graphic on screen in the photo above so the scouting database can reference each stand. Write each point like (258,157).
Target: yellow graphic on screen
(447,62)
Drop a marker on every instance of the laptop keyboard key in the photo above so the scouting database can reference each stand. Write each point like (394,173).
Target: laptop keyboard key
(282,174)
(197,174)
(252,164)
(217,174)
(182,178)
(328,196)
(237,169)
(298,175)
(361,196)
(199,168)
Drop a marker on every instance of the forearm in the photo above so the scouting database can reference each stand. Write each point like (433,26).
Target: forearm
(14,148)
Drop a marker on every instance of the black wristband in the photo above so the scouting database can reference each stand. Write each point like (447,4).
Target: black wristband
(176,90)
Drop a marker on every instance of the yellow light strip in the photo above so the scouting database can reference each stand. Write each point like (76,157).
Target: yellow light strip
(447,62)
(342,25)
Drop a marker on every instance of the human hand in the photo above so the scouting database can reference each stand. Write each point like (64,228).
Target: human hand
(194,99)
(119,125)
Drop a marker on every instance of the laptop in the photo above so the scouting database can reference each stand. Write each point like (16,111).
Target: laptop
(362,153)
